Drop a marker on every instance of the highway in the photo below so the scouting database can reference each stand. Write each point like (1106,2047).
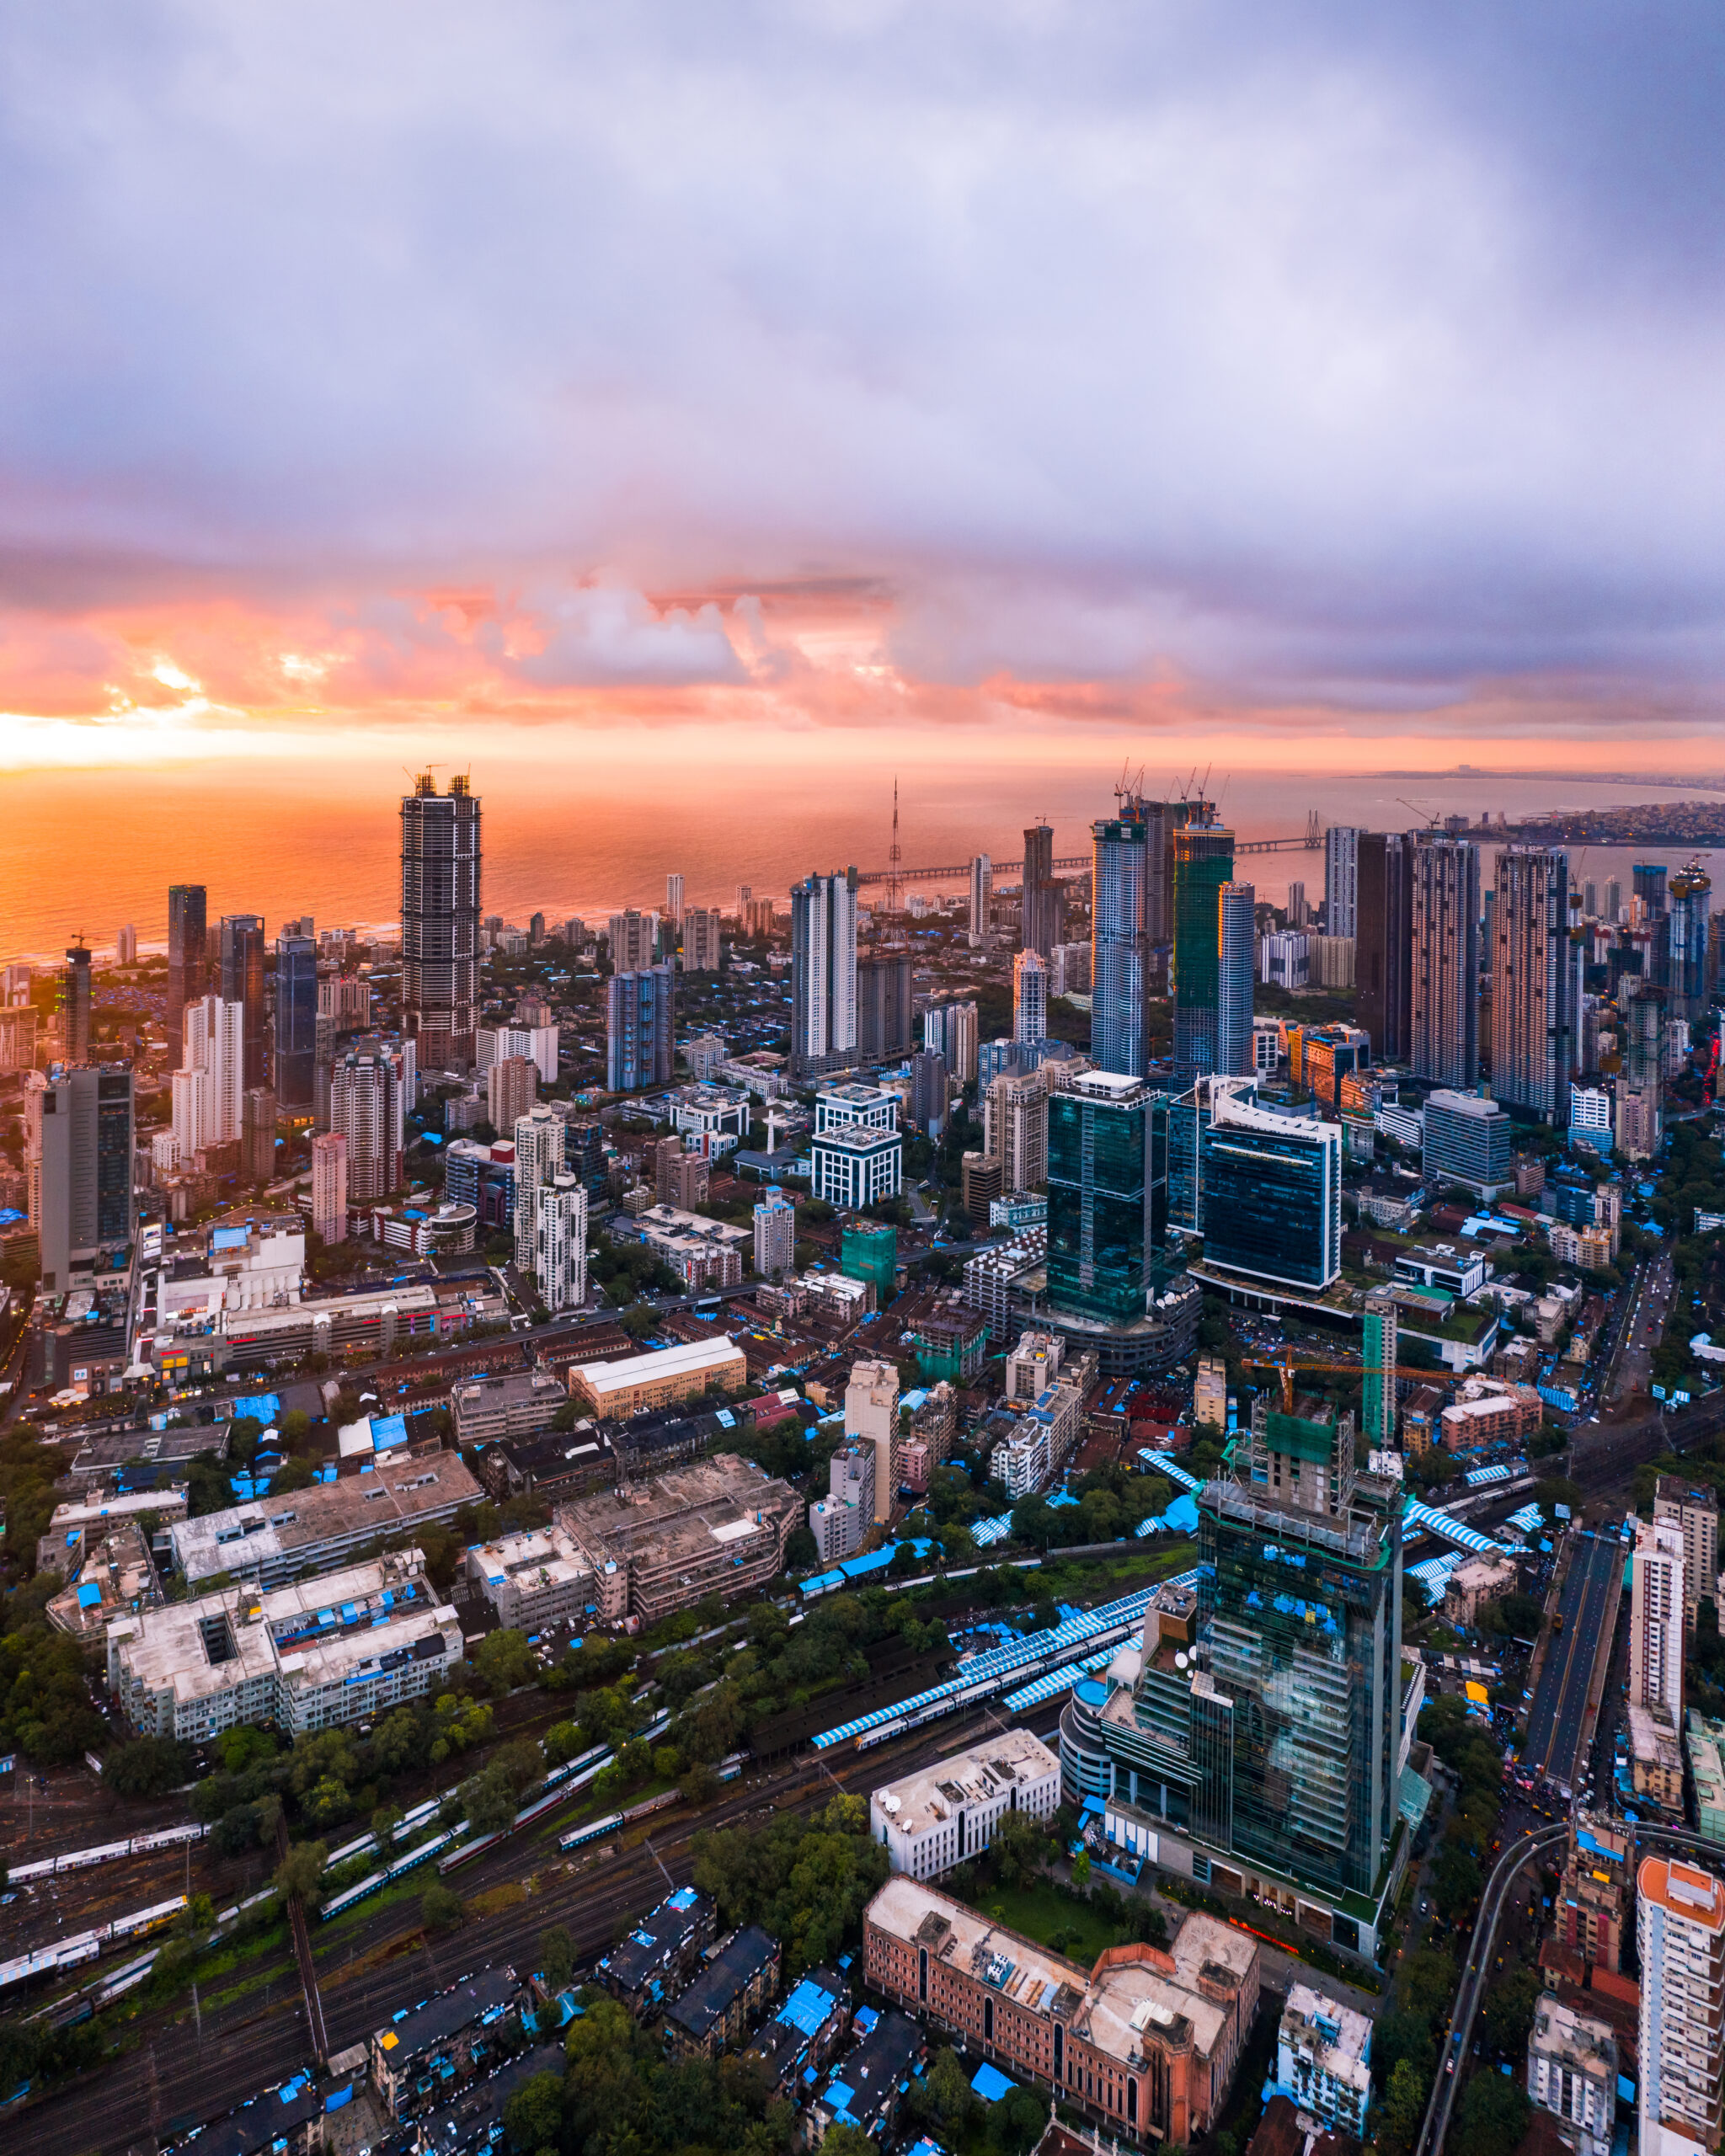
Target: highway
(1459,2032)
(1587,1606)
(369,1964)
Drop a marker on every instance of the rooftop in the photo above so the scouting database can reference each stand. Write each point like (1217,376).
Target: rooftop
(422,2028)
(1684,1890)
(921,1801)
(1585,2045)
(618,1374)
(728,1969)
(389,1501)
(710,1501)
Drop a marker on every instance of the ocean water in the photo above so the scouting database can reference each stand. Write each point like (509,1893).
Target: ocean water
(85,852)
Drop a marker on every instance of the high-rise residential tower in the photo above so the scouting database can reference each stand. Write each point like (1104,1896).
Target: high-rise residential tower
(1533,1020)
(1119,950)
(1378,1359)
(950,1030)
(295,1059)
(74,999)
(640,1019)
(187,937)
(1237,948)
(884,1006)
(982,897)
(329,1186)
(1691,897)
(674,900)
(1656,1604)
(1203,862)
(1444,961)
(824,973)
(241,980)
(440,877)
(1029,997)
(1340,878)
(634,937)
(78,1151)
(1041,894)
(1681,1936)
(1383,942)
(209,1089)
(125,946)
(366,1109)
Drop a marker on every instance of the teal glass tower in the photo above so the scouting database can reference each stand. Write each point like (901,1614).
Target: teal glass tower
(1107,1196)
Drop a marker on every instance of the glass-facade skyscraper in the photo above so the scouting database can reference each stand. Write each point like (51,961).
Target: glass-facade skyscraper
(1533,983)
(1272,1191)
(295,1020)
(240,968)
(1204,862)
(442,865)
(1120,950)
(187,944)
(1108,1195)
(640,1028)
(1691,898)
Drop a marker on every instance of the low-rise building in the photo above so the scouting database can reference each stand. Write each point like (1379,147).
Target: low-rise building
(414,2057)
(520,1402)
(856,1165)
(718,1526)
(635,1384)
(1488,1411)
(1032,1453)
(289,2120)
(702,1253)
(1146,2043)
(864,2090)
(1655,1757)
(473,2124)
(1323,2059)
(1706,1744)
(947,1814)
(650,1965)
(806,2031)
(341,1648)
(1472,1586)
(950,1345)
(1572,2072)
(274,1539)
(532,1579)
(737,1983)
(82,1525)
(556,1463)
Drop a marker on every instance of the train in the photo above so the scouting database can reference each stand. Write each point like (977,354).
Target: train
(85,1945)
(165,1838)
(595,1830)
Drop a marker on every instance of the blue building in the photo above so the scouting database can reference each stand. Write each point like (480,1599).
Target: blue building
(295,1020)
(640,1011)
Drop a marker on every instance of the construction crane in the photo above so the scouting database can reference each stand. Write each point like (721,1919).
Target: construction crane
(1288,1365)
(1430,815)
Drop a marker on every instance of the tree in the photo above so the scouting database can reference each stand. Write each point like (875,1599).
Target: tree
(532,2118)
(148,1767)
(1495,2111)
(1508,2010)
(556,1955)
(847,2141)
(638,1319)
(1456,1881)
(1404,2110)
(1019,1848)
(488,1801)
(441,1909)
(300,1872)
(1402,2034)
(1429,1980)
(700,1784)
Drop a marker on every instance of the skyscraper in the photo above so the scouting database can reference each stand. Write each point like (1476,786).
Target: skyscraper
(1015,1128)
(884,1005)
(241,980)
(558,1254)
(125,946)
(366,1109)
(187,930)
(1444,969)
(1029,997)
(1041,907)
(1272,1191)
(1657,1605)
(73,1000)
(701,944)
(257,1134)
(1120,950)
(949,1030)
(78,1145)
(1680,1936)
(1383,936)
(329,1186)
(538,1136)
(640,1018)
(512,1088)
(823,973)
(1237,932)
(674,900)
(1108,1195)
(928,1092)
(1378,1357)
(1340,878)
(209,1089)
(982,897)
(1533,1036)
(634,937)
(1203,862)
(440,878)
(1691,898)
(295,1061)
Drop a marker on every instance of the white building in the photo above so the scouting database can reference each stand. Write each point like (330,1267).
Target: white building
(1069,969)
(532,1579)
(1265,1046)
(1656,1613)
(981,898)
(856,1167)
(1590,1114)
(775,1237)
(716,1117)
(559,1242)
(1029,997)
(948,1814)
(534,1044)
(841,1108)
(539,1137)
(329,1186)
(1033,1365)
(208,1091)
(341,1648)
(259,1265)
(872,1418)
(1285,959)
(840,1521)
(1323,2059)
(1680,1936)
(1341,879)
(1572,2071)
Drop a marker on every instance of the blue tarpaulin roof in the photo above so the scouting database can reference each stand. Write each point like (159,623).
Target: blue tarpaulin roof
(990,2083)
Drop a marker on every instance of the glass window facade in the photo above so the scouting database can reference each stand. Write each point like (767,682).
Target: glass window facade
(1108,1206)
(1203,862)
(1118,949)
(1271,1200)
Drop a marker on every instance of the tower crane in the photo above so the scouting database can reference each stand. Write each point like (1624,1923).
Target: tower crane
(1286,1365)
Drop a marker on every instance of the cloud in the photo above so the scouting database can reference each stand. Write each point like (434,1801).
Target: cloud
(839,354)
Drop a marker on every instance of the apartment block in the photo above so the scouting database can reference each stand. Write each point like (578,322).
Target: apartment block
(532,1579)
(414,2057)
(1680,1936)
(1696,1512)
(652,1963)
(1572,2072)
(733,1987)
(1323,2059)
(718,1526)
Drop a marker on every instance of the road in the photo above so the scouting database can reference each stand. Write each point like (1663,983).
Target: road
(1650,1298)
(376,1961)
(1587,1606)
(1459,2032)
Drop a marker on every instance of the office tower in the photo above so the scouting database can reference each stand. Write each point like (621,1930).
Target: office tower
(871,1419)
(512,1088)
(885,1018)
(1069,969)
(1120,872)
(1107,1196)
(240,979)
(1029,997)
(1690,932)
(1444,961)
(72,1002)
(1680,1937)
(1648,890)
(441,868)
(982,897)
(1272,1188)
(700,939)
(1041,908)
(125,946)
(1015,1123)
(1341,879)
(1695,1513)
(1468,1140)
(1655,1615)
(186,955)
(329,1187)
(537,1135)
(640,1019)
(1236,942)
(1203,862)
(775,1237)
(208,1089)
(366,1109)
(1533,1021)
(78,1156)
(1383,937)
(929,1093)
(1614,899)
(296,1004)
(257,1134)
(674,900)
(949,1030)
(823,973)
(1298,913)
(1378,1358)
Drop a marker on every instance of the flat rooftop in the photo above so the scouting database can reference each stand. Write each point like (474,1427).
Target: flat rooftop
(715,1501)
(921,1801)
(604,1375)
(392,1499)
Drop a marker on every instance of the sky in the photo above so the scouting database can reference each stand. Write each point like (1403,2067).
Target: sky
(1334,385)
